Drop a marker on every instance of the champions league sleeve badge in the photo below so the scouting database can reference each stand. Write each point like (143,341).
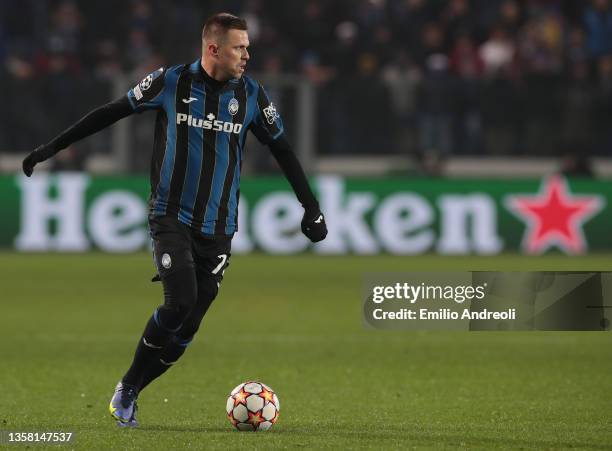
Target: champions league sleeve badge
(147,82)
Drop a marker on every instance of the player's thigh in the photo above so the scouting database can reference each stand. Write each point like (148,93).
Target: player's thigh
(172,247)
(211,257)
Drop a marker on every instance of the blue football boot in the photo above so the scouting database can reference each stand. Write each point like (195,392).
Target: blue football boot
(123,406)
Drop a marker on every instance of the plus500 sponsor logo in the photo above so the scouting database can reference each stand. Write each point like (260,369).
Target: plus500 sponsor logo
(210,123)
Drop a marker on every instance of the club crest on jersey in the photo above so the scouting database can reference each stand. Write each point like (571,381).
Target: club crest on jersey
(270,113)
(233,107)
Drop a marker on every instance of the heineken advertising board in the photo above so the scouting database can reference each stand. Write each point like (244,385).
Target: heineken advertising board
(73,212)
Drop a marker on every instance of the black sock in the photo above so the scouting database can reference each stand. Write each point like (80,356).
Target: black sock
(150,346)
(173,351)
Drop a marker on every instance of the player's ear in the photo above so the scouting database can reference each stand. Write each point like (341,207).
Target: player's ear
(213,49)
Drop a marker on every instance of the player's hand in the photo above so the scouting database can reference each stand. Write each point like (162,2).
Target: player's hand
(313,225)
(40,154)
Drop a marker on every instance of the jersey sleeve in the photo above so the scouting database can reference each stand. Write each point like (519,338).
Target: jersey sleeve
(267,125)
(149,93)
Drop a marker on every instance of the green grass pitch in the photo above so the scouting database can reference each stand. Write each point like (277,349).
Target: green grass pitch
(69,324)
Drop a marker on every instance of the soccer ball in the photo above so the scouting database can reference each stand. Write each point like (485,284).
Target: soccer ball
(252,406)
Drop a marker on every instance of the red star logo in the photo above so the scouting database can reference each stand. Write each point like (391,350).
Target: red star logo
(267,395)
(240,397)
(255,419)
(232,419)
(273,420)
(554,217)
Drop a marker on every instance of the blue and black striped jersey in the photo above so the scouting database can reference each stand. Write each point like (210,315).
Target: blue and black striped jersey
(200,134)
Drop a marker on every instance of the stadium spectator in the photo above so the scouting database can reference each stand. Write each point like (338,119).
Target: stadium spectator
(603,106)
(402,77)
(436,106)
(575,163)
(598,23)
(579,95)
(517,70)
(467,64)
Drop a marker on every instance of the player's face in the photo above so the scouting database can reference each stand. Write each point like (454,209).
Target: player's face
(233,53)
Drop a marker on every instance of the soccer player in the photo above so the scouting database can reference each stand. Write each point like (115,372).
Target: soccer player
(204,110)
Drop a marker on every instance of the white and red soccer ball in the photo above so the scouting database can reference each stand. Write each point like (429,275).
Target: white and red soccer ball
(252,406)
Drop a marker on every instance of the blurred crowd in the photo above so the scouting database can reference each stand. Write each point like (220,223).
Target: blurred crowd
(425,77)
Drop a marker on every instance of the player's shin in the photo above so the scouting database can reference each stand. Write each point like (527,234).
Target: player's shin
(175,348)
(152,342)
(171,353)
(180,291)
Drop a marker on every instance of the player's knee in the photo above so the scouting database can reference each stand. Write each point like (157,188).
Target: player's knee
(192,324)
(171,354)
(180,295)
(187,332)
(183,338)
(180,290)
(208,288)
(167,319)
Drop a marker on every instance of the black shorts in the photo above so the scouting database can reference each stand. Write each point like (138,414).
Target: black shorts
(177,246)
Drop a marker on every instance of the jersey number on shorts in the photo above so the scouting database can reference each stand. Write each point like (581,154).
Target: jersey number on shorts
(223,258)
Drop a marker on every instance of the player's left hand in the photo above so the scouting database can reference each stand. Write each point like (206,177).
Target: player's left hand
(313,225)
(38,155)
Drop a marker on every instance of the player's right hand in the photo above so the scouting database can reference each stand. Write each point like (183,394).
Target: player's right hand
(313,225)
(38,155)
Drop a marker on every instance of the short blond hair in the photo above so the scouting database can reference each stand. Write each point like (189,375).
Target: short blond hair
(217,26)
